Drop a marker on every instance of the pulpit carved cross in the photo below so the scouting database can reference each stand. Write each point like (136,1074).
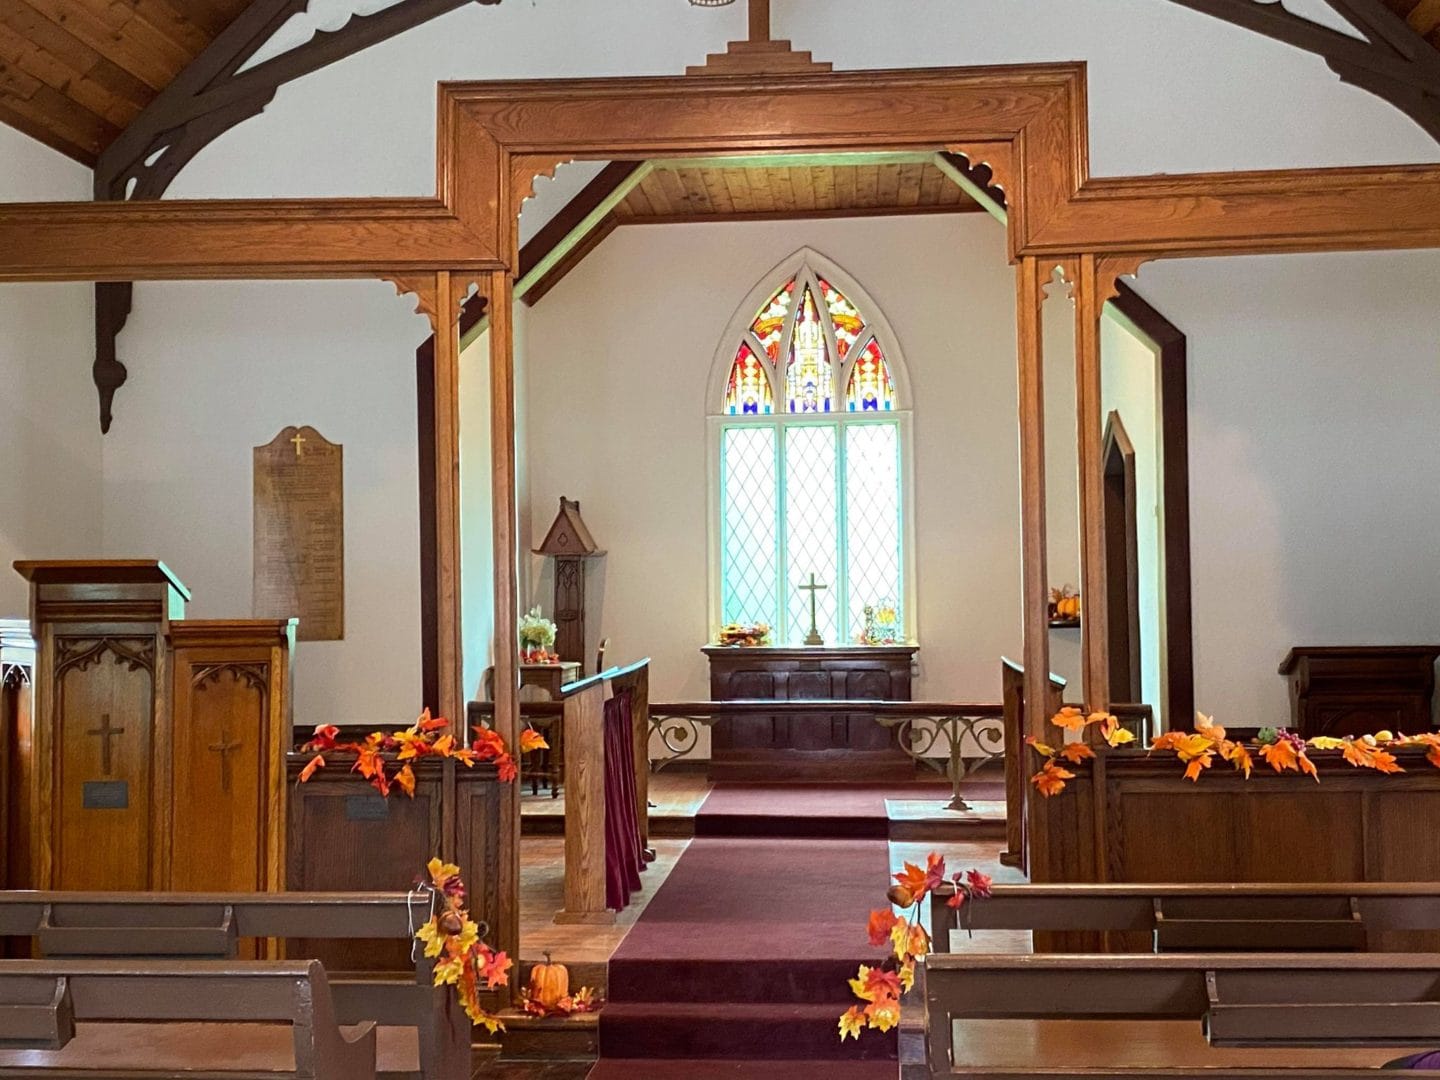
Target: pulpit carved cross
(298,441)
(224,748)
(105,733)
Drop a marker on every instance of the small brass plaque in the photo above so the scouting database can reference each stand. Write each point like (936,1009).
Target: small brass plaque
(367,808)
(105,795)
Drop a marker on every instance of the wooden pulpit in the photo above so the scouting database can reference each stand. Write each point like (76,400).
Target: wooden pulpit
(156,757)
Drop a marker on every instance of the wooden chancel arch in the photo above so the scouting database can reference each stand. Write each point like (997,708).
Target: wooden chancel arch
(1027,123)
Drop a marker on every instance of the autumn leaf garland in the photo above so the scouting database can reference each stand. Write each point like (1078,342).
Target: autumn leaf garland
(427,737)
(1198,750)
(879,988)
(453,940)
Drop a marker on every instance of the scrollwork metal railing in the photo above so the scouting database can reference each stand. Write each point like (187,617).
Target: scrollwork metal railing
(951,739)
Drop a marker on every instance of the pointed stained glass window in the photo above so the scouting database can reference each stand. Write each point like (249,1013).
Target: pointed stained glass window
(844,316)
(870,388)
(748,392)
(769,324)
(809,374)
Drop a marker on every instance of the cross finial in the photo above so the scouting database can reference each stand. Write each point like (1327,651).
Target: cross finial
(298,441)
(759,20)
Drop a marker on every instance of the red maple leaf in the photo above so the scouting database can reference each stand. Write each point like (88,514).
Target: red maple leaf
(882,921)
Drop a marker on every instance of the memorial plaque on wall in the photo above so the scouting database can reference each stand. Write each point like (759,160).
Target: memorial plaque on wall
(299,554)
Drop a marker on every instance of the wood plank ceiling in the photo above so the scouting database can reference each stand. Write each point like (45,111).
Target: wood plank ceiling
(686,192)
(75,73)
(1422,15)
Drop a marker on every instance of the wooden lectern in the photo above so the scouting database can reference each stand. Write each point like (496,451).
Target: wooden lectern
(157,752)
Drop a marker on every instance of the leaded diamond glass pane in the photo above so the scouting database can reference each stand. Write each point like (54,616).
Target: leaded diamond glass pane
(812,531)
(872,520)
(749,549)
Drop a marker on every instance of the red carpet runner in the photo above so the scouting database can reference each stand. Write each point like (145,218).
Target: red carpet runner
(738,966)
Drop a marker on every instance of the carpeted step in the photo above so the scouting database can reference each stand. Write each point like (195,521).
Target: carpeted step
(800,980)
(638,1069)
(796,828)
(704,1030)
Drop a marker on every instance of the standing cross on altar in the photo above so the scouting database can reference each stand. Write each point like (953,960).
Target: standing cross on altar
(813,638)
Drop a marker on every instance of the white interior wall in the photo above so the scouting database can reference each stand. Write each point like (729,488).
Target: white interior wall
(619,357)
(49,426)
(1128,385)
(1170,90)
(226,365)
(1314,384)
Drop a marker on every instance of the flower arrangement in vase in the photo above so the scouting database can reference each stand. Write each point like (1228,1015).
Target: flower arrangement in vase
(537,635)
(882,624)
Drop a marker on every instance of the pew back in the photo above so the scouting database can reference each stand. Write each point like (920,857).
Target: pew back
(1240,917)
(201,926)
(155,991)
(1279,1002)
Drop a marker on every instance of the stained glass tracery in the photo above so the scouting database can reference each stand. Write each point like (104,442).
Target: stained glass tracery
(809,372)
(769,324)
(748,392)
(870,388)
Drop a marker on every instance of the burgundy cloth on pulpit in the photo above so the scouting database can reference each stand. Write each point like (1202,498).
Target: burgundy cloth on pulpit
(624,853)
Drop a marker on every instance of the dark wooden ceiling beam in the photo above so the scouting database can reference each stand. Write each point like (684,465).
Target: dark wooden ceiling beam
(202,102)
(1393,61)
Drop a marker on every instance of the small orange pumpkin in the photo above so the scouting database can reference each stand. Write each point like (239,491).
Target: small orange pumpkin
(549,983)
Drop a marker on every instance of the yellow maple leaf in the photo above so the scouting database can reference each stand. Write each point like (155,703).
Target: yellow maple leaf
(852,1021)
(883,1014)
(1044,748)
(531,740)
(1114,734)
(861,984)
(907,976)
(1327,742)
(406,779)
(432,937)
(1238,756)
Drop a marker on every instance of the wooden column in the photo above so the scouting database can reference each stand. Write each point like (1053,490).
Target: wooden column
(17,679)
(1094,622)
(501,294)
(1030,297)
(447,496)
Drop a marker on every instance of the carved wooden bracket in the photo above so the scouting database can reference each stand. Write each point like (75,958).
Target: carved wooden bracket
(426,288)
(211,96)
(1391,60)
(1110,268)
(989,166)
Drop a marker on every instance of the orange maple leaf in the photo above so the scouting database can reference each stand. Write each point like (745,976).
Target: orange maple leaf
(428,723)
(1433,755)
(913,880)
(368,762)
(406,779)
(882,984)
(505,768)
(1050,780)
(882,921)
(851,1023)
(1076,752)
(1198,763)
(494,968)
(883,1014)
(443,746)
(1281,756)
(1238,756)
(1071,719)
(530,740)
(1364,756)
(318,762)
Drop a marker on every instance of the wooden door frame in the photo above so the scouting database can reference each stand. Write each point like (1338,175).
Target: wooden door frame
(1027,123)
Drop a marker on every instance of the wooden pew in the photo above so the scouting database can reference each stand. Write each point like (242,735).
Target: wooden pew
(198,927)
(1355,916)
(1328,1015)
(42,1001)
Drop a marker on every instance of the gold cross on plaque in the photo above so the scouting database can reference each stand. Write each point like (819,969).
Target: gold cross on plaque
(813,638)
(223,748)
(298,441)
(106,733)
